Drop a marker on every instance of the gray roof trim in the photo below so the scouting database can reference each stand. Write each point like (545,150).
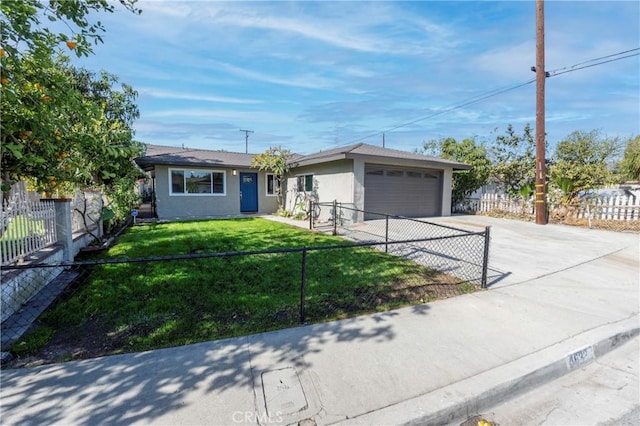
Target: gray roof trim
(188,157)
(379,155)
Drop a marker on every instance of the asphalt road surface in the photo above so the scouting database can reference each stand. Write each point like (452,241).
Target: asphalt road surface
(605,392)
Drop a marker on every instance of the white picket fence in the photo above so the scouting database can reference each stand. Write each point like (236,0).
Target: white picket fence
(27,225)
(618,208)
(493,202)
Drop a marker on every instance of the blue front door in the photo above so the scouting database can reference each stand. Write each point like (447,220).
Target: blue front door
(248,192)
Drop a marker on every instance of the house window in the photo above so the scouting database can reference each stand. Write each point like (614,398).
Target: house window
(411,174)
(305,183)
(201,182)
(395,173)
(272,184)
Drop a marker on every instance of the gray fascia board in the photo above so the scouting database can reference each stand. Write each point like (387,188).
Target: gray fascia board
(409,162)
(317,160)
(375,159)
(174,163)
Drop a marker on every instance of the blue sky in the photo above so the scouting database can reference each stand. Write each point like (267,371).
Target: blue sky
(311,76)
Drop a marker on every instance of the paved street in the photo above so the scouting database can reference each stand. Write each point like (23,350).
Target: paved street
(605,392)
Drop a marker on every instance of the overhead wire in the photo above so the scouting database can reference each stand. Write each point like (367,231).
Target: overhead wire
(597,59)
(495,92)
(575,68)
(467,102)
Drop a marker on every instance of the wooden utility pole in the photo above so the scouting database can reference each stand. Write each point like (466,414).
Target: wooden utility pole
(541,199)
(246,140)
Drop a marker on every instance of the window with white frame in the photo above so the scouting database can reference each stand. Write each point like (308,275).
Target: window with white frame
(305,183)
(273,185)
(197,182)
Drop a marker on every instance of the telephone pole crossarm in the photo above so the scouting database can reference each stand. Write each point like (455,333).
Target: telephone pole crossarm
(246,139)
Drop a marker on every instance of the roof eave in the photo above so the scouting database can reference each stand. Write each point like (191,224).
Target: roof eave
(148,164)
(415,162)
(316,160)
(461,167)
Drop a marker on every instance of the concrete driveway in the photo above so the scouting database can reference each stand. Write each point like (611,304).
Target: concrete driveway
(519,251)
(523,251)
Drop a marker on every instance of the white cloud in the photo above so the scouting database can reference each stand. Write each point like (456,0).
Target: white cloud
(169,94)
(511,61)
(308,81)
(355,26)
(218,114)
(359,72)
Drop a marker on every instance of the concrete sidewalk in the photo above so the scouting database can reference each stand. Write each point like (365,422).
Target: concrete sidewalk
(560,297)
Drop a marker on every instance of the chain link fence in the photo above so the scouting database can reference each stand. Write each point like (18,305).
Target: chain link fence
(113,305)
(455,251)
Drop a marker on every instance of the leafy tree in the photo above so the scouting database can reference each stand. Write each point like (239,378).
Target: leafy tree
(104,157)
(67,125)
(465,182)
(630,164)
(35,103)
(275,160)
(108,146)
(515,160)
(583,158)
(22,31)
(120,197)
(60,124)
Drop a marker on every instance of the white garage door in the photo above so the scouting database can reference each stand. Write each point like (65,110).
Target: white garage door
(402,191)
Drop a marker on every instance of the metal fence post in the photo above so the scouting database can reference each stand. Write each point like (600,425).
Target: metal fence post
(303,285)
(335,217)
(386,233)
(485,259)
(310,214)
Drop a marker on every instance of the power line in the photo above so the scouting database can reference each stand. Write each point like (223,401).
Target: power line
(597,59)
(467,102)
(573,68)
(496,92)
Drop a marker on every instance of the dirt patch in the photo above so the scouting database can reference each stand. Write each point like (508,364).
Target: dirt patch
(90,340)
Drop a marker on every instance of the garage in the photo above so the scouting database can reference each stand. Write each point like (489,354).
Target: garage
(402,191)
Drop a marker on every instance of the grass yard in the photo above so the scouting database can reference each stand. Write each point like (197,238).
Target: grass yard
(128,307)
(21,227)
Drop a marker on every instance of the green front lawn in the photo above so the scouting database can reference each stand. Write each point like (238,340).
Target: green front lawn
(138,306)
(21,227)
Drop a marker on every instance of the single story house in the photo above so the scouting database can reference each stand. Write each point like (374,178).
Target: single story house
(192,183)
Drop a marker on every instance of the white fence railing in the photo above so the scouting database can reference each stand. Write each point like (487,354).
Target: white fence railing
(492,202)
(617,208)
(611,208)
(27,225)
